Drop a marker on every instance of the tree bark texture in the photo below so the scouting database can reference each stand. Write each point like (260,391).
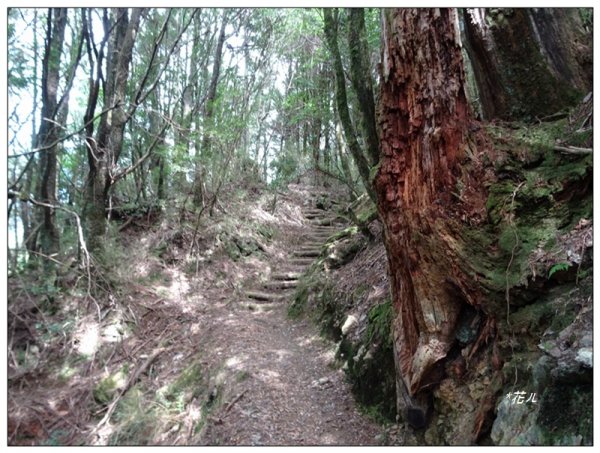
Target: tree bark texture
(423,120)
(49,128)
(360,74)
(104,152)
(359,157)
(528,62)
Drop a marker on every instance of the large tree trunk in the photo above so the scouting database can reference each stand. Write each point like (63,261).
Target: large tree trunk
(423,119)
(103,153)
(528,62)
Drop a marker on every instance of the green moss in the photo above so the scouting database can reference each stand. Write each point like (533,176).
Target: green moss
(567,411)
(190,381)
(380,323)
(532,89)
(532,317)
(106,390)
(371,368)
(345,233)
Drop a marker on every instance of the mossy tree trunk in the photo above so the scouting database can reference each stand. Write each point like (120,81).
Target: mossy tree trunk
(423,121)
(360,75)
(528,62)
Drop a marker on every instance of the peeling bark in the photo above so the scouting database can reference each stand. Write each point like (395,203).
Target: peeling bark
(423,121)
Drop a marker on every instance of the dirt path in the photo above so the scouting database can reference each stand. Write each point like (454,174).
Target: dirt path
(281,385)
(213,357)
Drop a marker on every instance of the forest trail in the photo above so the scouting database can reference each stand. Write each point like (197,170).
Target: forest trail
(209,351)
(283,386)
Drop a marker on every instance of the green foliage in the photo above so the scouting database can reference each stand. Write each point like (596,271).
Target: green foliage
(286,168)
(136,419)
(587,16)
(558,267)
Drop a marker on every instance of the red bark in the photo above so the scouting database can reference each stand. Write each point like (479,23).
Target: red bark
(423,122)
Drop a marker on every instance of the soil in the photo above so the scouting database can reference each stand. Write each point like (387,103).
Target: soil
(267,378)
(291,392)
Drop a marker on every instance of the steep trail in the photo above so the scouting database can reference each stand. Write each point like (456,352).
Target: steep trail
(278,374)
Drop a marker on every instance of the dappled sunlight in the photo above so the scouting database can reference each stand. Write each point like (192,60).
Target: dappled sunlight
(282,354)
(88,338)
(262,215)
(306,341)
(270,377)
(234,362)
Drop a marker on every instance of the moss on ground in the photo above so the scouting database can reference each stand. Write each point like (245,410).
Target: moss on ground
(142,414)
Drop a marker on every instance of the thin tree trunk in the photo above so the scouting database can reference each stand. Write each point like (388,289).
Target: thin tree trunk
(49,129)
(360,75)
(205,148)
(342,103)
(103,153)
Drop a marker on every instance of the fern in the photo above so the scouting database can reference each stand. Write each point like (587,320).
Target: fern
(558,267)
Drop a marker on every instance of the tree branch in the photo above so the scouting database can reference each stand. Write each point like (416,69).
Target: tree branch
(574,150)
(66,137)
(28,198)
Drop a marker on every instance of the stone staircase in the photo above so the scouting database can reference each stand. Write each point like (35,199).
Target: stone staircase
(282,284)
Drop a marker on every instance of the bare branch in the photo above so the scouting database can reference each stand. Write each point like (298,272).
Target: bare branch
(66,137)
(574,150)
(28,198)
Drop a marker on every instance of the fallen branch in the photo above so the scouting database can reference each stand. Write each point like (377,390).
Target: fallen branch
(113,405)
(573,150)
(235,400)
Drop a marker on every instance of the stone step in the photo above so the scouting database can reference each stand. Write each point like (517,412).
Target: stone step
(301,261)
(312,244)
(324,221)
(314,211)
(314,215)
(286,276)
(262,296)
(306,253)
(323,234)
(310,247)
(258,306)
(322,238)
(326,230)
(281,284)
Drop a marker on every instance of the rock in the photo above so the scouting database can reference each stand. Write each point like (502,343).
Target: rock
(360,353)
(349,324)
(585,356)
(587,340)
(515,425)
(323,382)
